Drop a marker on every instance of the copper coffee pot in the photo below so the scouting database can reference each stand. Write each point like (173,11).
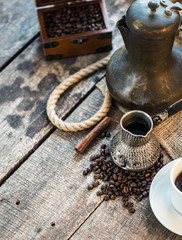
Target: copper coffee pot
(147,74)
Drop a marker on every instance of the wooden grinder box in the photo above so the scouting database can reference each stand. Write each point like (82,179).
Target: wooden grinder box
(73,28)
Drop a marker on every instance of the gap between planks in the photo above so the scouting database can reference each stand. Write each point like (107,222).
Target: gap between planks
(19,52)
(85,220)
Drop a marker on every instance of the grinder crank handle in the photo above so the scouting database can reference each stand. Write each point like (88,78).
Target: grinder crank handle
(168,112)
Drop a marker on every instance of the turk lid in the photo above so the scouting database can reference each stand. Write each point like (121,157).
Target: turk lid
(153,20)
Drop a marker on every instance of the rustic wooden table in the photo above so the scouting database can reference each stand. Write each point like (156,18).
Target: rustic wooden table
(38,164)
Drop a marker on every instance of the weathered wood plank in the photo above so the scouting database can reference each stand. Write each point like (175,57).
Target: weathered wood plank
(112,221)
(24,89)
(51,188)
(18,26)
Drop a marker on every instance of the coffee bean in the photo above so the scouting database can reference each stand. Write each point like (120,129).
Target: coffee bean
(148,179)
(130,204)
(125,198)
(113,197)
(106,198)
(115,177)
(17,202)
(144,183)
(124,180)
(103,187)
(93,164)
(109,192)
(132,173)
(111,182)
(89,170)
(140,197)
(102,152)
(99,193)
(97,176)
(90,187)
(112,187)
(125,190)
(116,170)
(97,155)
(117,184)
(133,184)
(139,184)
(104,168)
(147,175)
(131,210)
(161,160)
(103,146)
(92,158)
(102,158)
(95,183)
(105,191)
(97,171)
(145,193)
(120,179)
(68,25)
(102,135)
(85,172)
(125,204)
(108,134)
(96,168)
(105,178)
(107,152)
(157,164)
(101,175)
(97,160)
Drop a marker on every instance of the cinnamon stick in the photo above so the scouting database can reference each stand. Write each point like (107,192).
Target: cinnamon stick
(93,134)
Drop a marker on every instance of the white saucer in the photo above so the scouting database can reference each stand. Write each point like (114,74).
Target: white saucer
(160,201)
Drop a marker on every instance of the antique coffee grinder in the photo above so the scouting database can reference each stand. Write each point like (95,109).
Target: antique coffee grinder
(147,74)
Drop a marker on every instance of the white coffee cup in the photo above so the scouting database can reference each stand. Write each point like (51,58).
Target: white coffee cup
(175,193)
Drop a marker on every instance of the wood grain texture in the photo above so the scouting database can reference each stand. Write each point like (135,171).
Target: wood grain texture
(50,185)
(24,89)
(18,25)
(112,221)
(51,188)
(25,86)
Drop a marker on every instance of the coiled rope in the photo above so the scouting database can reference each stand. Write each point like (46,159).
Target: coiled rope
(62,87)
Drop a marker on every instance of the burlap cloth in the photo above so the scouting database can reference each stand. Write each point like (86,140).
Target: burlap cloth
(168,133)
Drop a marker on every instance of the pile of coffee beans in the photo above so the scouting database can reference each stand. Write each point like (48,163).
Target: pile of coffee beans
(73,19)
(119,182)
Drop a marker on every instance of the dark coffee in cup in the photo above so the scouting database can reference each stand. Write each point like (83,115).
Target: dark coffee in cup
(178,181)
